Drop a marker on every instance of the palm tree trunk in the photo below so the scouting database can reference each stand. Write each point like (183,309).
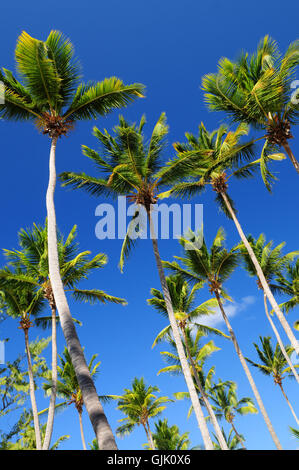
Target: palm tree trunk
(147,435)
(81,430)
(32,394)
(51,412)
(248,374)
(238,436)
(286,356)
(151,440)
(94,408)
(288,402)
(291,156)
(261,277)
(208,406)
(180,349)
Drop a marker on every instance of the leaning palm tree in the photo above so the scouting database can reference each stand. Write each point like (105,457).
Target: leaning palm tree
(257,89)
(75,266)
(273,263)
(215,266)
(183,303)
(273,363)
(212,159)
(50,94)
(168,437)
(23,304)
(128,165)
(227,404)
(139,405)
(68,386)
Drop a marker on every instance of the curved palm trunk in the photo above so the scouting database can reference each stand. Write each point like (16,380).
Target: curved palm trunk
(51,412)
(94,408)
(291,156)
(249,376)
(150,436)
(288,402)
(261,277)
(177,338)
(208,406)
(238,436)
(81,430)
(32,394)
(286,356)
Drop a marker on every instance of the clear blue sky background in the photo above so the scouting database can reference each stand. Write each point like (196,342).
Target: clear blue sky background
(168,46)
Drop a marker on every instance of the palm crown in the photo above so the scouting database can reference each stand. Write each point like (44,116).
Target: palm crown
(257,90)
(183,303)
(199,263)
(271,259)
(50,91)
(224,396)
(272,362)
(128,164)
(215,157)
(139,404)
(28,267)
(67,385)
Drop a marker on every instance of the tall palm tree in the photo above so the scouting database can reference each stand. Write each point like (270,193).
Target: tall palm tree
(183,303)
(24,304)
(128,165)
(273,262)
(32,257)
(168,437)
(273,363)
(139,404)
(212,159)
(257,89)
(227,404)
(52,96)
(215,265)
(68,386)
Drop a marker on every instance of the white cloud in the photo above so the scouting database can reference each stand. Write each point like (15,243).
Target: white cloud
(231,309)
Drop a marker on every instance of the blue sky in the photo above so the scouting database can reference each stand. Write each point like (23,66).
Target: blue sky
(168,46)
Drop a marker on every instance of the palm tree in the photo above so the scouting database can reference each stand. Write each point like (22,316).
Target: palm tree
(205,160)
(130,166)
(24,304)
(139,405)
(224,396)
(273,262)
(168,437)
(273,363)
(32,257)
(214,266)
(68,386)
(257,89)
(183,303)
(231,440)
(52,97)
